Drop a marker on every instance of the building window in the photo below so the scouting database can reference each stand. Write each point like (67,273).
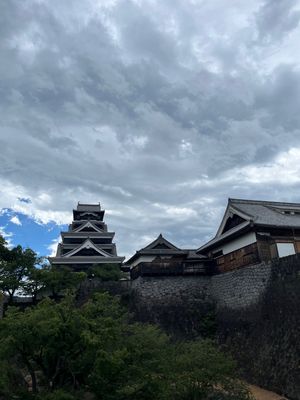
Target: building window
(285,249)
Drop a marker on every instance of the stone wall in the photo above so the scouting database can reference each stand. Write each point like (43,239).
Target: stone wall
(234,290)
(88,287)
(242,287)
(170,289)
(262,329)
(182,305)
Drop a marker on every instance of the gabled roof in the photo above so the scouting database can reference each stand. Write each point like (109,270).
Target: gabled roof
(256,213)
(88,224)
(231,210)
(160,243)
(159,246)
(232,232)
(87,244)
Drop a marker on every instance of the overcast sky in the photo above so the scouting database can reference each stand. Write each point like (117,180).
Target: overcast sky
(160,110)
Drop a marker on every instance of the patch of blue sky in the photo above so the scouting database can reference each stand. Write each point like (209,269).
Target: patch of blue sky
(20,229)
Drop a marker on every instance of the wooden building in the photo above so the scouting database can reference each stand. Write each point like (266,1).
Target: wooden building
(161,257)
(87,241)
(253,231)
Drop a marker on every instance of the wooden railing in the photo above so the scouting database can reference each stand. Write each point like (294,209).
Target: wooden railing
(168,268)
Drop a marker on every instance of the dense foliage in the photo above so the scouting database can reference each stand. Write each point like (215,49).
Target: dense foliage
(60,348)
(22,272)
(105,272)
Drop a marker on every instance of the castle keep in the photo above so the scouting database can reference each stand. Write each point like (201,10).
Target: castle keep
(87,242)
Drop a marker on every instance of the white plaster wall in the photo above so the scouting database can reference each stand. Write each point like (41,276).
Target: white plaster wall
(238,243)
(142,259)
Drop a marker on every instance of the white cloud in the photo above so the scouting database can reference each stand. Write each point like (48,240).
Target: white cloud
(179,213)
(15,220)
(283,170)
(40,208)
(52,248)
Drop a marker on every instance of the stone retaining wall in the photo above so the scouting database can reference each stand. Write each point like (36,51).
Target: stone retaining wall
(169,289)
(235,289)
(182,305)
(242,287)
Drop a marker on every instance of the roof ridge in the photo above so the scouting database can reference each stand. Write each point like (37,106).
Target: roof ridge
(88,204)
(266,202)
(159,238)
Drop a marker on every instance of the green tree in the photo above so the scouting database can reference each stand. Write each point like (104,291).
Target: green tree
(68,350)
(35,282)
(4,251)
(201,371)
(16,264)
(56,280)
(105,272)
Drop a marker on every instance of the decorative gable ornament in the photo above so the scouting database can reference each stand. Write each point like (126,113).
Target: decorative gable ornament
(88,244)
(88,225)
(160,243)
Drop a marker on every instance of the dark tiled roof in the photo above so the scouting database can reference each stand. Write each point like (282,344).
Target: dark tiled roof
(159,251)
(269,212)
(88,207)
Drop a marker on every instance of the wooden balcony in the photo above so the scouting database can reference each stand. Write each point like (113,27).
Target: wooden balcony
(169,269)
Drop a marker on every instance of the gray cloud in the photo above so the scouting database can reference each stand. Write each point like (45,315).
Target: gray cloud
(156,109)
(274,19)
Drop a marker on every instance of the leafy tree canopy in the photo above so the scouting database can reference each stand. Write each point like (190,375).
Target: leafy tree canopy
(105,272)
(16,265)
(66,352)
(55,280)
(23,272)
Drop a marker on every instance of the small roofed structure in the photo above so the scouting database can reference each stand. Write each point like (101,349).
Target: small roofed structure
(162,257)
(253,231)
(87,241)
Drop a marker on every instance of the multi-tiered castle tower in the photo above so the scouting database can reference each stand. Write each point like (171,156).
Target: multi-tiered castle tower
(87,241)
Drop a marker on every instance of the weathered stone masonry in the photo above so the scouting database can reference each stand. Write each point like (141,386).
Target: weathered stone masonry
(180,304)
(236,289)
(263,335)
(242,287)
